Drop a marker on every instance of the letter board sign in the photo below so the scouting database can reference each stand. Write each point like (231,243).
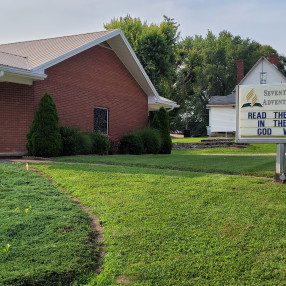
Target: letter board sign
(261,113)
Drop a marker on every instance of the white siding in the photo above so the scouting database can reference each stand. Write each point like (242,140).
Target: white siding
(222,119)
(273,74)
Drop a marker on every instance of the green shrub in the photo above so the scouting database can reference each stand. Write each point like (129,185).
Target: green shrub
(100,143)
(84,143)
(44,138)
(161,122)
(131,144)
(69,140)
(151,140)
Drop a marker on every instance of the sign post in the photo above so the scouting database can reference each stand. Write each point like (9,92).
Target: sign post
(280,163)
(261,118)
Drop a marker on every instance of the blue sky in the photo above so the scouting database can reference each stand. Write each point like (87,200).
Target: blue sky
(259,20)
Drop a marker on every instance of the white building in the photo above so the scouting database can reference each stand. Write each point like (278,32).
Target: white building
(222,113)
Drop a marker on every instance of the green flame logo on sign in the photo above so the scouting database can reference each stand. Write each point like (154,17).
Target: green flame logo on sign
(251,99)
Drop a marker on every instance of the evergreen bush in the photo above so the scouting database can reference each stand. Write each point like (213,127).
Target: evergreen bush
(151,140)
(69,140)
(131,144)
(44,138)
(100,143)
(161,123)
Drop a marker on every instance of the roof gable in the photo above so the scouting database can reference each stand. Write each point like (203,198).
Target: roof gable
(37,56)
(273,75)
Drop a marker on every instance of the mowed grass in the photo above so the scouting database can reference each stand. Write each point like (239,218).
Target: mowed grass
(168,227)
(251,149)
(49,237)
(188,161)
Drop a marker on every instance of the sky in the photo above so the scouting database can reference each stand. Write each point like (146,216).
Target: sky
(260,20)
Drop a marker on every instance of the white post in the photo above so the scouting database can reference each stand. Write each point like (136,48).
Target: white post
(280,163)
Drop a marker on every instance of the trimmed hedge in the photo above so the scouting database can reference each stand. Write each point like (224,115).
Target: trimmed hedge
(100,143)
(75,142)
(84,144)
(146,141)
(131,144)
(47,139)
(151,140)
(69,140)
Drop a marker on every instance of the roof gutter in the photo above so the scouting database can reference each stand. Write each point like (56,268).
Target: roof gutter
(170,103)
(21,73)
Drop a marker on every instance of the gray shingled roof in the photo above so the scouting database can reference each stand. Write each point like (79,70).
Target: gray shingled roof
(222,100)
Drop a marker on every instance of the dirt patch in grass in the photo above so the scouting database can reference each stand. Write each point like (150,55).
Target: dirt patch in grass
(122,279)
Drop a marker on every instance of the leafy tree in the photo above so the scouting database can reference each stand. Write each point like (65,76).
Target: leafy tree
(192,70)
(44,138)
(207,67)
(155,47)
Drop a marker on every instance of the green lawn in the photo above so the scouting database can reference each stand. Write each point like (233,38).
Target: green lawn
(188,161)
(167,227)
(252,149)
(49,237)
(180,219)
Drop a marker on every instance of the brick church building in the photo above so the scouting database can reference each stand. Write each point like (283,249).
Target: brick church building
(92,78)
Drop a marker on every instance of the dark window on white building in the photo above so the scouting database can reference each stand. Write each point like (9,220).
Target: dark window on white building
(101,119)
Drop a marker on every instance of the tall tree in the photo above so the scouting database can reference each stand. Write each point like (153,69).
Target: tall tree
(208,68)
(192,70)
(155,47)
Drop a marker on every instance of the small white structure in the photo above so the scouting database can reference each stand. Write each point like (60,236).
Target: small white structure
(222,113)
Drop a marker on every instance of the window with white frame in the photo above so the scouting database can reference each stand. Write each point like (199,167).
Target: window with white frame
(100,119)
(263,77)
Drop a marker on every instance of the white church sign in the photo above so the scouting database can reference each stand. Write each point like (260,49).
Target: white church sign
(261,113)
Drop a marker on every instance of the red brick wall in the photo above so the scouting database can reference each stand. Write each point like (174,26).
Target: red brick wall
(273,59)
(16,115)
(95,78)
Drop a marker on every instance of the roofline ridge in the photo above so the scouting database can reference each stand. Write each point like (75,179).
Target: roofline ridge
(43,39)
